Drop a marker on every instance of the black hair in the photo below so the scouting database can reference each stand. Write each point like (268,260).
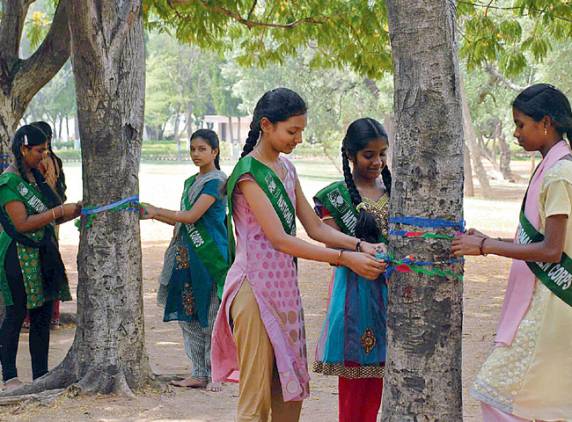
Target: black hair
(211,138)
(277,105)
(61,179)
(541,100)
(360,132)
(29,136)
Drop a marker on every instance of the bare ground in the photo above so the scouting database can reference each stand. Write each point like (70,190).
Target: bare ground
(485,281)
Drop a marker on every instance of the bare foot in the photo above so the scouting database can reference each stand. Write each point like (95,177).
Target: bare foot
(190,382)
(12,384)
(215,387)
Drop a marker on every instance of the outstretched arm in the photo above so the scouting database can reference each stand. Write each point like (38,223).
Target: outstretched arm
(201,205)
(265,215)
(549,250)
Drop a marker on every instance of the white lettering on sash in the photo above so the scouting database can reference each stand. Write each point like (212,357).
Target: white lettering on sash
(523,238)
(283,207)
(560,276)
(350,220)
(195,236)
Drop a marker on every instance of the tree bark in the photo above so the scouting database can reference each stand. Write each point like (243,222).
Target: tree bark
(423,370)
(21,79)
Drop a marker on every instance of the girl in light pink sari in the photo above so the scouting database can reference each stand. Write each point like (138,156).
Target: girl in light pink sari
(528,375)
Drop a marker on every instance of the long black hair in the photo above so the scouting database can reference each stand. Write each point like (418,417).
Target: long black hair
(359,134)
(60,186)
(211,138)
(541,100)
(277,105)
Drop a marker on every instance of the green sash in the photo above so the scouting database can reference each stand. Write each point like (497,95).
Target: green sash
(336,198)
(555,276)
(30,257)
(203,244)
(274,189)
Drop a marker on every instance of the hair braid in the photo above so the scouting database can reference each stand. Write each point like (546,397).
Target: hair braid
(348,178)
(252,138)
(386,177)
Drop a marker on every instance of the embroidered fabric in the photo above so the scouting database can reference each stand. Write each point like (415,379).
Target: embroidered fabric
(503,373)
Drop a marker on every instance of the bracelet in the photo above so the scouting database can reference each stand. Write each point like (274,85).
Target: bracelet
(53,215)
(338,260)
(62,208)
(481,246)
(358,245)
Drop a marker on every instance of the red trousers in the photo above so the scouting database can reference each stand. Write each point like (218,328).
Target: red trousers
(359,399)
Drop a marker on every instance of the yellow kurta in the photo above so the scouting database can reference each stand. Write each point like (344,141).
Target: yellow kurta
(532,378)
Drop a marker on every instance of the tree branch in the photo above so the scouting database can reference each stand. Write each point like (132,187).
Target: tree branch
(123,27)
(497,75)
(247,21)
(46,61)
(12,26)
(532,8)
(251,11)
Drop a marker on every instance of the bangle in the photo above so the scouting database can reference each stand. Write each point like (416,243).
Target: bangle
(53,215)
(339,259)
(481,246)
(358,245)
(62,208)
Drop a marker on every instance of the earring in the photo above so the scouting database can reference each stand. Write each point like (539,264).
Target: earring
(545,131)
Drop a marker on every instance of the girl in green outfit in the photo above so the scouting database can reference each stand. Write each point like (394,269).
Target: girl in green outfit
(32,273)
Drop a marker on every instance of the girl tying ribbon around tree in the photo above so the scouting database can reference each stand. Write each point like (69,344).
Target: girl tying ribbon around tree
(528,375)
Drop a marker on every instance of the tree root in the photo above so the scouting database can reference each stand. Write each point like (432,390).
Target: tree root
(44,398)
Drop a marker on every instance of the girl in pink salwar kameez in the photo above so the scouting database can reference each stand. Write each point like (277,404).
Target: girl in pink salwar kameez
(259,336)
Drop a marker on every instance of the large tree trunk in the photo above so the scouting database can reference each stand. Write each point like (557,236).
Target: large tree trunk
(21,79)
(108,352)
(423,372)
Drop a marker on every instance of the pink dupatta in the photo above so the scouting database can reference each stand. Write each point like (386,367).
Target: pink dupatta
(521,280)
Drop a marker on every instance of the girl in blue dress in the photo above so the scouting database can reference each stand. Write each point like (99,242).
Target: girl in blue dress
(196,261)
(352,344)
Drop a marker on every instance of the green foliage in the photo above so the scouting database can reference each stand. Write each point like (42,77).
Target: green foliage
(512,33)
(339,33)
(184,79)
(334,97)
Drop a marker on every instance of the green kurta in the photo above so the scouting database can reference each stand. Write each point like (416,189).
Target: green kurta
(14,188)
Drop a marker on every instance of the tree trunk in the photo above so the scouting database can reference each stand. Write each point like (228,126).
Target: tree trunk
(423,370)
(471,140)
(230,131)
(176,135)
(109,67)
(504,158)
(469,185)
